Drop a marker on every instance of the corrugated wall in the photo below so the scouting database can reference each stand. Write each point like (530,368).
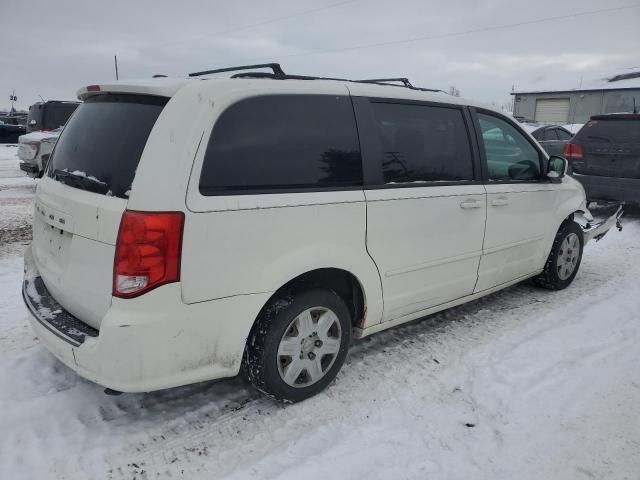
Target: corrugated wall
(582,105)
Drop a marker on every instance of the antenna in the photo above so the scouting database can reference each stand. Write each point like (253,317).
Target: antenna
(115,60)
(635,109)
(43,100)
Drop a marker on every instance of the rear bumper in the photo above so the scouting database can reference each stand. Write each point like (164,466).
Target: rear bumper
(148,343)
(610,188)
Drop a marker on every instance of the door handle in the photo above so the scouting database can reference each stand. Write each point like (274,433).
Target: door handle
(471,204)
(500,201)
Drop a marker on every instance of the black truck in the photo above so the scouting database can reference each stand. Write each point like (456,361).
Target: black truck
(11,127)
(49,115)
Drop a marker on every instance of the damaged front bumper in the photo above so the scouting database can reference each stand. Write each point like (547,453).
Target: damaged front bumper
(596,231)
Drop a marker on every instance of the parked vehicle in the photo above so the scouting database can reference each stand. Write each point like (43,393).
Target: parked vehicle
(187,228)
(573,128)
(605,157)
(47,116)
(11,127)
(553,138)
(34,150)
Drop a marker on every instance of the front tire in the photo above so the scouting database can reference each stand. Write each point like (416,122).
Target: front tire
(298,345)
(565,258)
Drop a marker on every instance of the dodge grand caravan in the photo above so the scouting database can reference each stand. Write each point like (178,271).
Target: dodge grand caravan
(192,229)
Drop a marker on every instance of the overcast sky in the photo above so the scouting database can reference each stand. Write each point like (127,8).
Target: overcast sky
(52,48)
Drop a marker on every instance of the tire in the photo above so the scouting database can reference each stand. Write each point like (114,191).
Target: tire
(557,273)
(286,325)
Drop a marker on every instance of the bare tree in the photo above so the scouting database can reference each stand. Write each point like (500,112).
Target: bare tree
(453,91)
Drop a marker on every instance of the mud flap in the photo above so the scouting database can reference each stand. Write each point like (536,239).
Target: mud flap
(599,230)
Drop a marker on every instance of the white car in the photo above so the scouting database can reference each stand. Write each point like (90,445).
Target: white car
(190,229)
(34,150)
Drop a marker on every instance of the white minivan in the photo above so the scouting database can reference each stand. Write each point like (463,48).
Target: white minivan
(190,229)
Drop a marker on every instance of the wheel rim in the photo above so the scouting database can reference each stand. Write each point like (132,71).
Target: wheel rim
(568,256)
(309,347)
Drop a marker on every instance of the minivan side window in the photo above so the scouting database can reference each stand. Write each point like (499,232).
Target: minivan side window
(422,143)
(277,143)
(510,156)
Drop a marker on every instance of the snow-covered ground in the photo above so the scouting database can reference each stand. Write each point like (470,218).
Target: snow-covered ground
(524,384)
(16,194)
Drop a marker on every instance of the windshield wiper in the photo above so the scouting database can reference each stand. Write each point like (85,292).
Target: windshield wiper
(80,181)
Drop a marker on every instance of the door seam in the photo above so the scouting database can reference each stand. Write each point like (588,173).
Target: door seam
(484,236)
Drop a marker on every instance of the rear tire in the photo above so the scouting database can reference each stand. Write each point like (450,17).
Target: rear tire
(298,345)
(565,258)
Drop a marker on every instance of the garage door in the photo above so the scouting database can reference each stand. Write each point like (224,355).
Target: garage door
(552,110)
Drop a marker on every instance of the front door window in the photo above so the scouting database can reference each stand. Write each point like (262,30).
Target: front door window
(510,156)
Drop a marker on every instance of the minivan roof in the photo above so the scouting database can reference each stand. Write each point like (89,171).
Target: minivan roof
(168,87)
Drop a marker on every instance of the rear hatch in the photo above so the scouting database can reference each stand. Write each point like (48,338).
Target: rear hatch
(610,147)
(81,198)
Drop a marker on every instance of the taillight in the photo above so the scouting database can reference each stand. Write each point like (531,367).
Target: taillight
(572,151)
(148,251)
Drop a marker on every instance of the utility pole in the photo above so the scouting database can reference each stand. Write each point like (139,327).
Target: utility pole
(115,59)
(13,99)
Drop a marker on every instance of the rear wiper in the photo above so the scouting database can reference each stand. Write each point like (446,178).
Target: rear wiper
(595,137)
(80,181)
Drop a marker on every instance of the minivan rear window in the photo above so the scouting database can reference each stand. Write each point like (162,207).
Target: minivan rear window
(621,130)
(278,143)
(101,145)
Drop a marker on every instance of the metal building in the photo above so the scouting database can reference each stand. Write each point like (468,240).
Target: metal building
(612,95)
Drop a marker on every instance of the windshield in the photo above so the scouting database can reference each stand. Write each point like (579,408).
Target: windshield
(103,142)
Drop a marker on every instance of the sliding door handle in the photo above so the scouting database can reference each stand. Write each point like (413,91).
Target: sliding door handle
(500,201)
(471,203)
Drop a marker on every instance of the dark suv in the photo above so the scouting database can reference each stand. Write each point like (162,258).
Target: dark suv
(49,115)
(11,127)
(605,157)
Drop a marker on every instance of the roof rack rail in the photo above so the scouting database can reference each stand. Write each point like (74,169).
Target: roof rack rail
(403,80)
(277,70)
(278,74)
(284,77)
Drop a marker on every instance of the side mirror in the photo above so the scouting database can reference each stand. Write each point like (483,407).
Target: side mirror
(557,168)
